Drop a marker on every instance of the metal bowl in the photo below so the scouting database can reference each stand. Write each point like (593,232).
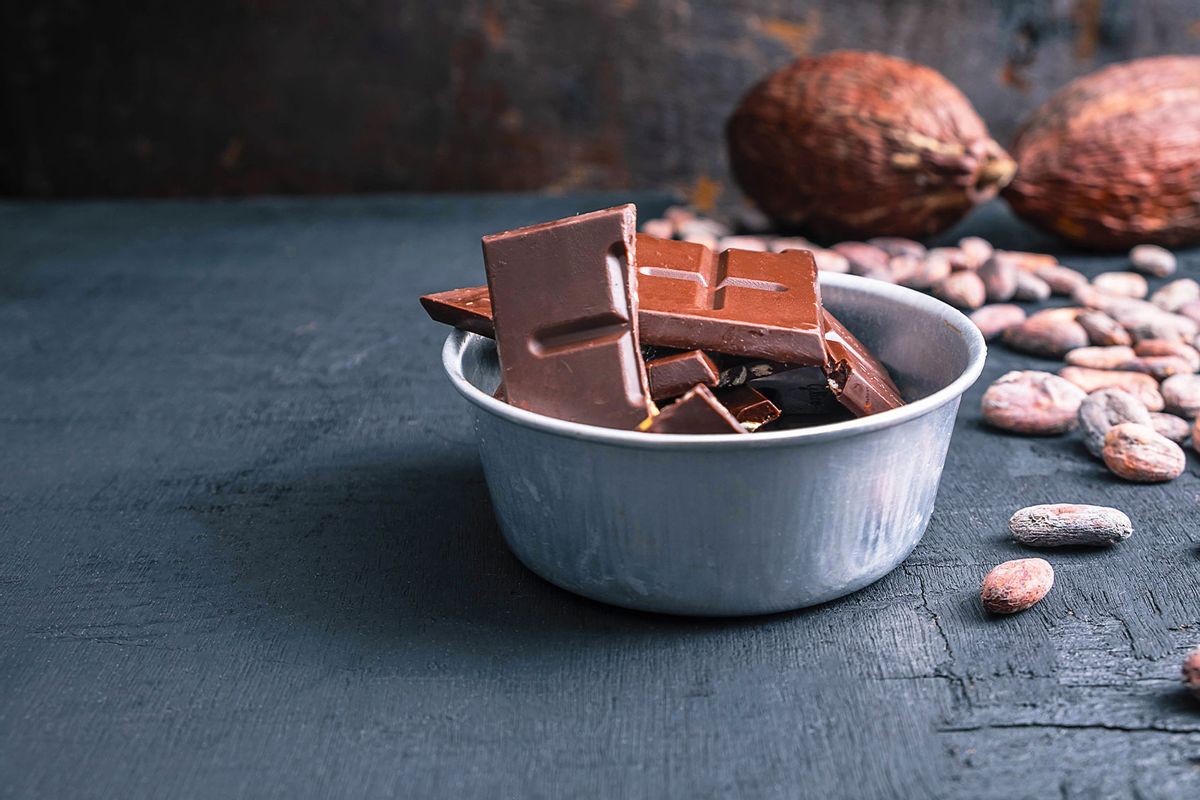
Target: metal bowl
(732,524)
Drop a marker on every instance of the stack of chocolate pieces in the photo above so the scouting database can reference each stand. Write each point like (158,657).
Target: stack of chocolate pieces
(595,323)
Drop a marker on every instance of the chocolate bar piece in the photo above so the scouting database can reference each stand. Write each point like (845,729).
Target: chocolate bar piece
(859,380)
(698,411)
(766,305)
(564,305)
(671,376)
(466,309)
(748,406)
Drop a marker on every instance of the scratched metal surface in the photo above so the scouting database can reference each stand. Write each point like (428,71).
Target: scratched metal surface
(247,551)
(238,97)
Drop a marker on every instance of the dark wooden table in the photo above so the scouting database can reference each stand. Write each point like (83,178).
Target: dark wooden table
(246,550)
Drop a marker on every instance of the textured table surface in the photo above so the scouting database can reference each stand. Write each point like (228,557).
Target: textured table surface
(246,549)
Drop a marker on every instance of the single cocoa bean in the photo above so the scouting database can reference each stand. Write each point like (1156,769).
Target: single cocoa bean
(1140,454)
(1099,357)
(993,320)
(934,267)
(1122,284)
(1191,673)
(1050,336)
(1196,435)
(678,215)
(864,258)
(1103,330)
(1143,387)
(830,260)
(975,251)
(1172,296)
(1029,262)
(1016,585)
(1069,524)
(1191,310)
(1089,296)
(1177,429)
(1158,367)
(1101,410)
(1181,395)
(1062,280)
(784,243)
(904,268)
(999,280)
(898,246)
(1166,347)
(659,228)
(1032,402)
(1151,259)
(758,244)
(1031,288)
(961,289)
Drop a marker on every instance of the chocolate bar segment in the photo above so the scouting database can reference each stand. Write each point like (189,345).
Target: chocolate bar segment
(765,305)
(466,309)
(671,376)
(698,411)
(564,306)
(860,381)
(748,406)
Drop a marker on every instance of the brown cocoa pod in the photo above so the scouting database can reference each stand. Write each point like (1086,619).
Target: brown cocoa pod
(1062,280)
(1069,525)
(898,246)
(975,251)
(865,259)
(1101,410)
(1177,429)
(1150,259)
(995,319)
(830,260)
(1122,284)
(1158,367)
(1140,454)
(1103,330)
(1172,296)
(1032,402)
(1031,288)
(1191,673)
(852,144)
(1016,585)
(1099,357)
(1143,387)
(999,280)
(961,289)
(1112,160)
(1181,395)
(1167,347)
(1047,336)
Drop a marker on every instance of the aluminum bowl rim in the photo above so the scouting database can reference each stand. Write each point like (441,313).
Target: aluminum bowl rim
(458,341)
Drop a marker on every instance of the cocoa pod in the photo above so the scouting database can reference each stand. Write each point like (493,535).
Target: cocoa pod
(1191,673)
(1062,280)
(1177,429)
(898,246)
(1069,525)
(1016,585)
(1158,367)
(1150,259)
(1099,357)
(1167,347)
(1172,296)
(1112,160)
(830,260)
(1047,336)
(995,319)
(1031,288)
(975,251)
(999,280)
(1032,402)
(1140,454)
(852,144)
(1122,284)
(1103,330)
(1101,410)
(1143,387)
(961,289)
(1181,395)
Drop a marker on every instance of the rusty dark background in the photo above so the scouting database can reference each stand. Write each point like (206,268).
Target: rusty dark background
(285,96)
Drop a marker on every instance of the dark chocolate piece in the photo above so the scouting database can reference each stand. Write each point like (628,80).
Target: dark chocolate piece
(698,411)
(671,376)
(859,380)
(748,406)
(765,305)
(466,309)
(564,304)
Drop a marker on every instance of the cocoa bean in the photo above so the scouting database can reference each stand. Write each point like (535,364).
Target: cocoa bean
(1029,262)
(679,215)
(1143,387)
(1172,296)
(1191,310)
(1089,296)
(703,226)
(830,260)
(904,268)
(865,259)
(1031,288)
(697,235)
(1181,395)
(1016,585)
(975,251)
(993,320)
(659,228)
(934,267)
(1122,284)
(1069,525)
(1166,347)
(1099,357)
(1151,259)
(961,289)
(757,244)
(1046,335)
(1140,454)
(1101,410)
(1103,330)
(1191,673)
(999,280)
(784,243)
(1032,402)
(1196,435)
(1177,429)
(898,246)
(1158,367)
(1062,280)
